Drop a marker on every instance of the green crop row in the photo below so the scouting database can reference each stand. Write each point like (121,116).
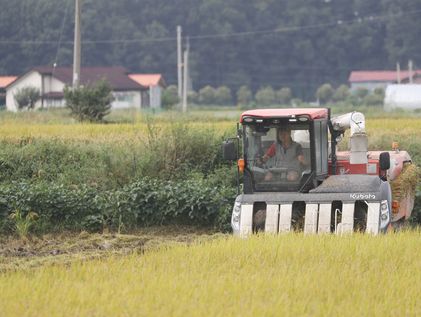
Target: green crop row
(142,203)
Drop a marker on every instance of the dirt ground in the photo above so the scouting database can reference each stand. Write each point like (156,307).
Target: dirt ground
(64,248)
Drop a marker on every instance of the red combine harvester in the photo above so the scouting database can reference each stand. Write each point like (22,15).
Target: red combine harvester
(295,179)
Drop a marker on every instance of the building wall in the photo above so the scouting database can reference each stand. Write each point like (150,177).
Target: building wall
(126,99)
(52,84)
(406,96)
(145,99)
(155,93)
(54,103)
(31,79)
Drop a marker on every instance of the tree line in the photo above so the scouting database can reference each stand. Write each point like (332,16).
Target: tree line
(299,44)
(267,96)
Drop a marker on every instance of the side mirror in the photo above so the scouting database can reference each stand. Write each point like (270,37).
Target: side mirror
(229,150)
(384,161)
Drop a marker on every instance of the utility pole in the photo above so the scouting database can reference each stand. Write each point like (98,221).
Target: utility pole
(77,46)
(179,64)
(398,72)
(189,81)
(411,74)
(185,77)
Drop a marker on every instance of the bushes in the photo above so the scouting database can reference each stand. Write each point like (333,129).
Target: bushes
(170,97)
(90,103)
(244,96)
(325,93)
(172,174)
(141,203)
(171,151)
(265,96)
(27,97)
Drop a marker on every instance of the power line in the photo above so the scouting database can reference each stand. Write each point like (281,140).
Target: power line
(61,33)
(336,23)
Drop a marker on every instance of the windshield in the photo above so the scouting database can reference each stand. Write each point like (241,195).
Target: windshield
(278,157)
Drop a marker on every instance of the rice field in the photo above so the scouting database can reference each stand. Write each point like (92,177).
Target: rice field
(132,129)
(264,275)
(58,125)
(287,275)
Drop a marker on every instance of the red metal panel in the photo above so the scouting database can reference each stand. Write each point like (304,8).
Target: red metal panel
(313,113)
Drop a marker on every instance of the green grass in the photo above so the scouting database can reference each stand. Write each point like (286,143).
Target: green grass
(287,275)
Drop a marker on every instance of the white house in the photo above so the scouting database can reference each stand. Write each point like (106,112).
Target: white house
(403,96)
(50,82)
(155,83)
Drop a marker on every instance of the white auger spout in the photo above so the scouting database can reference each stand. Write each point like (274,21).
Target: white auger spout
(355,121)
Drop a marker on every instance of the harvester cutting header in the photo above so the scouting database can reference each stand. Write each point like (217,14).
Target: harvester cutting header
(295,179)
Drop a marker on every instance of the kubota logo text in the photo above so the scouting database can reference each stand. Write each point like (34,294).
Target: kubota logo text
(361,196)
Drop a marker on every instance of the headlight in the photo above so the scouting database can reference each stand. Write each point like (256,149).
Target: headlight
(235,219)
(384,214)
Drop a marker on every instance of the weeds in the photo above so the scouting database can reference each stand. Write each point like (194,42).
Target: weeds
(23,223)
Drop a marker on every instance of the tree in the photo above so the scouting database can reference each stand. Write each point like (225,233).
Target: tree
(192,97)
(170,97)
(373,100)
(244,96)
(361,92)
(27,97)
(325,93)
(223,96)
(207,95)
(305,58)
(379,92)
(265,96)
(284,96)
(89,103)
(341,93)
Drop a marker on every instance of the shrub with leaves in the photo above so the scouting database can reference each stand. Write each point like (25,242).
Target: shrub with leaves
(341,93)
(244,96)
(265,96)
(170,97)
(27,97)
(207,95)
(325,93)
(223,96)
(142,203)
(89,103)
(284,96)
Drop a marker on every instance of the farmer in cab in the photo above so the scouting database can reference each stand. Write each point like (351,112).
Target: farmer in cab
(286,153)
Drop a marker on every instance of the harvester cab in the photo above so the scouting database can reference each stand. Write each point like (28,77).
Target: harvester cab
(295,179)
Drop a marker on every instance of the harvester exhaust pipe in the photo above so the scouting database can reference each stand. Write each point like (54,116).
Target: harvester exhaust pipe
(355,121)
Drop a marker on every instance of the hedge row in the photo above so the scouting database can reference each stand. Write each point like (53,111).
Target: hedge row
(142,203)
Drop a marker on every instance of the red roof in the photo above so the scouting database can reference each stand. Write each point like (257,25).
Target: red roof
(6,80)
(148,80)
(379,75)
(117,77)
(313,113)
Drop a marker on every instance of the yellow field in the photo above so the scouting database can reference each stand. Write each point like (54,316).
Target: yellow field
(381,131)
(288,275)
(37,125)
